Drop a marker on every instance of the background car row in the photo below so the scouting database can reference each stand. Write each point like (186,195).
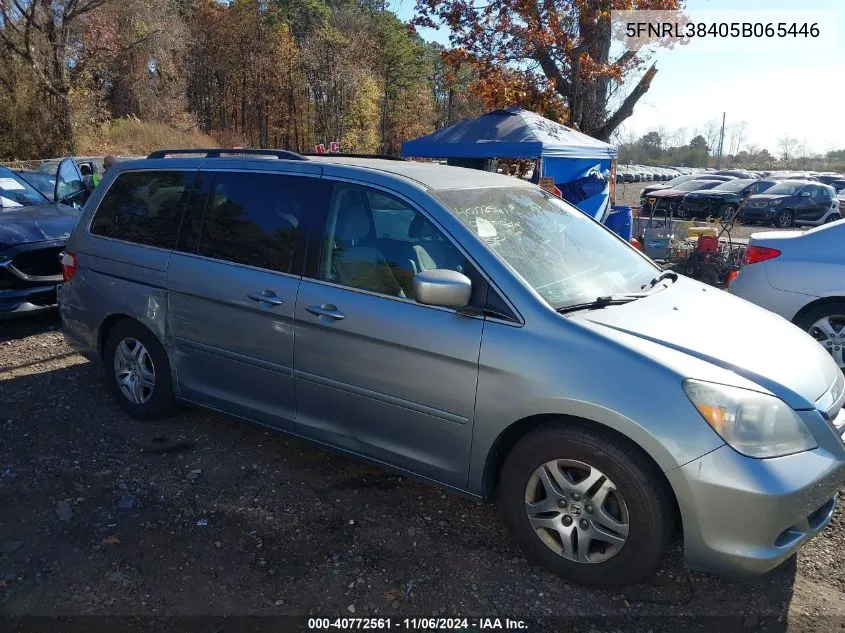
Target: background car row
(781,199)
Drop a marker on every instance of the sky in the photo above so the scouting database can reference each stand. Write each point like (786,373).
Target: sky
(777,91)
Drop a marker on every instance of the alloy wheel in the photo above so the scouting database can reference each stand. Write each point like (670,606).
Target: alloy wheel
(785,219)
(576,511)
(830,332)
(134,370)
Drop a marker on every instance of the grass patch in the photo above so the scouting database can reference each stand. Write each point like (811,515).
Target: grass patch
(131,137)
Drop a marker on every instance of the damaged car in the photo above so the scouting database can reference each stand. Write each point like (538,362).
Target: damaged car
(33,232)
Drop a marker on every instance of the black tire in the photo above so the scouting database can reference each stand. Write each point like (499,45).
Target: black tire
(813,315)
(784,219)
(649,506)
(727,211)
(832,218)
(161,402)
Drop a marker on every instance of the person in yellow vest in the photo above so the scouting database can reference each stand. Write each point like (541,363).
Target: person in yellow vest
(108,162)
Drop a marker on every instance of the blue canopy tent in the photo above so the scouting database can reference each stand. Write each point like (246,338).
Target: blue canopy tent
(579,164)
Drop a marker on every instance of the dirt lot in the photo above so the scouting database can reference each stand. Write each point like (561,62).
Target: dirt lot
(200,514)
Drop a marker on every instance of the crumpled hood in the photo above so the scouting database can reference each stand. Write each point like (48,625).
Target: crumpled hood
(728,332)
(42,223)
(666,193)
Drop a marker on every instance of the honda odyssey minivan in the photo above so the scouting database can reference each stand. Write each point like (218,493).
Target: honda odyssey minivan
(472,330)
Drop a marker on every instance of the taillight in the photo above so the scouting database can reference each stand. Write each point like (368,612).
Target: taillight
(69,265)
(756,254)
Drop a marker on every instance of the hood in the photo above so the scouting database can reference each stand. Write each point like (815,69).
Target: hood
(666,193)
(651,188)
(42,223)
(767,350)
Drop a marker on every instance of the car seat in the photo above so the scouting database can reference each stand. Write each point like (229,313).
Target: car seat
(355,260)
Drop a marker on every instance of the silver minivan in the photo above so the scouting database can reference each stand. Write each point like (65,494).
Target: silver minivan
(469,329)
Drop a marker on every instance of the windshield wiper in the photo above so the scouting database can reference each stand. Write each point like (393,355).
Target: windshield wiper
(666,274)
(601,302)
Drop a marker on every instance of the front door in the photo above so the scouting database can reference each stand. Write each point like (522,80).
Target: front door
(70,188)
(376,372)
(813,206)
(232,291)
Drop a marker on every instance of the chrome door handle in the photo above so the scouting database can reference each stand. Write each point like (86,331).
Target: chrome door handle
(266,296)
(327,310)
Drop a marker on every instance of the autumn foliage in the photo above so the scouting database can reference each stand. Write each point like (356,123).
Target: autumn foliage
(77,74)
(551,56)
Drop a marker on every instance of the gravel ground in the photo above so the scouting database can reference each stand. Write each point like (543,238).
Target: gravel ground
(202,514)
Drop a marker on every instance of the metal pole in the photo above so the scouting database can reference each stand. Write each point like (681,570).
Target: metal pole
(721,142)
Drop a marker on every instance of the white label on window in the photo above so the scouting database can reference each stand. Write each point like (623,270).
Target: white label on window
(10,184)
(485,228)
(5,202)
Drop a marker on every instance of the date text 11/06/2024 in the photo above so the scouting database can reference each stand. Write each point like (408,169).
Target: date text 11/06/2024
(418,624)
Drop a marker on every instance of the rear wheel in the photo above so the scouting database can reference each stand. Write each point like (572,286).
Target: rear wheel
(784,219)
(826,324)
(586,504)
(138,371)
(833,217)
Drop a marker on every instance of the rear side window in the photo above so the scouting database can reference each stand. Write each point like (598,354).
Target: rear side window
(256,219)
(144,207)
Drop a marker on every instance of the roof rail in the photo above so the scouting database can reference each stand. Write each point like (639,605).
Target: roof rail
(218,151)
(342,155)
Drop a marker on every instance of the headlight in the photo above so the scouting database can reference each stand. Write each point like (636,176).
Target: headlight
(776,202)
(754,424)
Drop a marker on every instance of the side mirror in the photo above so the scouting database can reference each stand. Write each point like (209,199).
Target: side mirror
(441,287)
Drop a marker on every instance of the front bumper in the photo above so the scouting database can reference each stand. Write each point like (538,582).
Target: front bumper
(757,214)
(19,302)
(744,516)
(29,275)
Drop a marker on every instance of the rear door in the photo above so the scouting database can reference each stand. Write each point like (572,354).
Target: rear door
(232,289)
(376,372)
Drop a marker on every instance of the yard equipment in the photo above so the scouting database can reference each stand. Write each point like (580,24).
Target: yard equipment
(700,251)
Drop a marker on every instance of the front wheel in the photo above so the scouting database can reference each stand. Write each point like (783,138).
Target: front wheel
(784,219)
(728,212)
(586,504)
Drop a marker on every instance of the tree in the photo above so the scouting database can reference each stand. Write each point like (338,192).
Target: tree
(710,132)
(698,152)
(736,134)
(563,47)
(652,144)
(41,33)
(786,146)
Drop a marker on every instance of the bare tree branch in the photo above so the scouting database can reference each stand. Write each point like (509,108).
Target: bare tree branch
(627,108)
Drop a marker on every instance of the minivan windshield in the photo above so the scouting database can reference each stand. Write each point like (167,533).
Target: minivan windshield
(562,253)
(16,192)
